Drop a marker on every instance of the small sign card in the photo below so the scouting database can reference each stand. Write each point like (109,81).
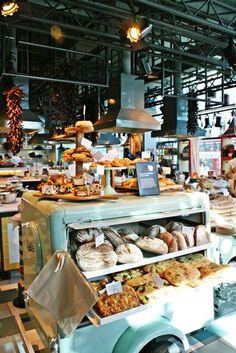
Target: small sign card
(98,156)
(100,169)
(99,240)
(147,178)
(86,143)
(114,288)
(146,154)
(90,178)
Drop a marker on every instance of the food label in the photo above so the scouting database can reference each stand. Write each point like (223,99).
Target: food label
(98,156)
(158,281)
(100,169)
(90,178)
(146,154)
(99,240)
(114,288)
(86,143)
(166,170)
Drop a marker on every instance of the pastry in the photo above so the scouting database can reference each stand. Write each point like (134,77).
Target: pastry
(201,235)
(153,245)
(128,274)
(128,253)
(139,281)
(84,125)
(112,304)
(169,240)
(80,179)
(159,267)
(82,191)
(91,258)
(182,273)
(181,242)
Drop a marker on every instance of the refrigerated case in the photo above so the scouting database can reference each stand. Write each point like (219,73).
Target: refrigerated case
(209,156)
(44,227)
(174,153)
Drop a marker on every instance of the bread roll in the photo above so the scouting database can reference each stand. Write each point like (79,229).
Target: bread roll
(201,235)
(169,240)
(90,258)
(153,245)
(84,125)
(181,242)
(128,253)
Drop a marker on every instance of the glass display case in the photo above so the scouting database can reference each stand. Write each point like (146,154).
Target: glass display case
(174,153)
(209,156)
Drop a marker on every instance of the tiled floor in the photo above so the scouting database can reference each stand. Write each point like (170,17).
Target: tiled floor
(218,338)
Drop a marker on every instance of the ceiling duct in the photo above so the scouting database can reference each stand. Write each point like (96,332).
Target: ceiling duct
(107,139)
(126,107)
(175,116)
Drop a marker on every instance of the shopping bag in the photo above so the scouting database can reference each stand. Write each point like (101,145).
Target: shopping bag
(62,289)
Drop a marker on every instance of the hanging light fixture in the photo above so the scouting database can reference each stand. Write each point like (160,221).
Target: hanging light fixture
(134,32)
(9,7)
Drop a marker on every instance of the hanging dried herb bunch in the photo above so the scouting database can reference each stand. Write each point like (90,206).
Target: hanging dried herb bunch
(14,115)
(192,123)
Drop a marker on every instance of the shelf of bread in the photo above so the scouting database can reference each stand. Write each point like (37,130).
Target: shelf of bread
(131,291)
(147,260)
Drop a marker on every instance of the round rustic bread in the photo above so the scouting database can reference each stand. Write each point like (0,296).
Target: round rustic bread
(91,258)
(155,230)
(154,245)
(128,253)
(201,235)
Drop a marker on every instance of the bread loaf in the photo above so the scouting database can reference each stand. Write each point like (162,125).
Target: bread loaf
(153,245)
(172,226)
(155,230)
(128,253)
(201,235)
(128,234)
(90,258)
(169,240)
(112,235)
(181,242)
(182,273)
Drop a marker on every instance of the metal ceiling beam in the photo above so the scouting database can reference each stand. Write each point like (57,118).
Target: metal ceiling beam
(91,32)
(188,55)
(183,15)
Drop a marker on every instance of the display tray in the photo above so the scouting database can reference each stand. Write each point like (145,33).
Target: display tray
(74,129)
(72,197)
(98,320)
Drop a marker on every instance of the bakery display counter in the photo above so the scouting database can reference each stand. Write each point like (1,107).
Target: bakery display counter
(47,228)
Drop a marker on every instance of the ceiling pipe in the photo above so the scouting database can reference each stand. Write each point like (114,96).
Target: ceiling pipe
(57,49)
(56,80)
(71,27)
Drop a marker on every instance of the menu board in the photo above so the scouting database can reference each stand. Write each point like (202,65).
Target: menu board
(147,178)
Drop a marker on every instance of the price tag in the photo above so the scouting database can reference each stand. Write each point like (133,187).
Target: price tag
(98,156)
(100,169)
(166,170)
(86,143)
(146,154)
(113,152)
(99,240)
(90,178)
(114,288)
(102,291)
(158,281)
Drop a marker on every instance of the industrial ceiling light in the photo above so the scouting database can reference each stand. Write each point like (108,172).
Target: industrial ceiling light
(134,34)
(9,7)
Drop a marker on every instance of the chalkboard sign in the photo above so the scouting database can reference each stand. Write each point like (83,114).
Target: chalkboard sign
(147,178)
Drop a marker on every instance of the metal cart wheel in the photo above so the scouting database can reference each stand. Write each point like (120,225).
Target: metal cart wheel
(164,344)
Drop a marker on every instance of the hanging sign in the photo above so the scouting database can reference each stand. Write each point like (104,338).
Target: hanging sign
(147,178)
